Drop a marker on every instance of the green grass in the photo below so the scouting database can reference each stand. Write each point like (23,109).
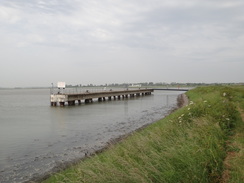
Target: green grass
(187,146)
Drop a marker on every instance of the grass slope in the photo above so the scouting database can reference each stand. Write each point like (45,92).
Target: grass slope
(190,145)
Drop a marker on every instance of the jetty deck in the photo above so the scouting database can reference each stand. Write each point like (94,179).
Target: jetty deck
(61,99)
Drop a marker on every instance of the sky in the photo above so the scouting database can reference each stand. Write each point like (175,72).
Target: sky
(120,41)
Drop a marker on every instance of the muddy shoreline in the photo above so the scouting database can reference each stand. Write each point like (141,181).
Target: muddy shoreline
(182,100)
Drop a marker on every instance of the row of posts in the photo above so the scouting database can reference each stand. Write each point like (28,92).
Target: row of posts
(90,100)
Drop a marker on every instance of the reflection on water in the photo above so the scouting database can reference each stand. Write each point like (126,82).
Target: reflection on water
(35,137)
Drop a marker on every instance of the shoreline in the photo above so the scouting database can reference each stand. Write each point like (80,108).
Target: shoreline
(182,100)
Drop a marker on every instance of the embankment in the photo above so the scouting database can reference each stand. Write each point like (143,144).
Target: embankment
(189,145)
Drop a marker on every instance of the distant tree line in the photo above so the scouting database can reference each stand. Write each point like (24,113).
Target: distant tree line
(152,84)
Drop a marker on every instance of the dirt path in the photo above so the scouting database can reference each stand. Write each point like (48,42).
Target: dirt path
(230,155)
(242,114)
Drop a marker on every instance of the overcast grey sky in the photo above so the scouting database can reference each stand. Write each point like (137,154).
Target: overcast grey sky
(120,41)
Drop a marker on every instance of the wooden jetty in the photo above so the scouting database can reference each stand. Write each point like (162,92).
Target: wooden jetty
(62,98)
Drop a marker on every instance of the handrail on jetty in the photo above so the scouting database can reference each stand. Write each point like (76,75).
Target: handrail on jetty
(63,98)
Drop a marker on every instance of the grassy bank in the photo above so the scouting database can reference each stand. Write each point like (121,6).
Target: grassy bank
(193,144)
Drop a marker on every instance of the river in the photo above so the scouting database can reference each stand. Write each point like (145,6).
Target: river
(35,137)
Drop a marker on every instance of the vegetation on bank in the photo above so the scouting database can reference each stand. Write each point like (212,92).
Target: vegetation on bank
(201,142)
(153,85)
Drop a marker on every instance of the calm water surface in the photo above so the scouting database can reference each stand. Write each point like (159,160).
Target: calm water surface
(35,138)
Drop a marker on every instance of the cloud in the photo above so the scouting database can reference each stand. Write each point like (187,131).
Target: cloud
(8,15)
(136,36)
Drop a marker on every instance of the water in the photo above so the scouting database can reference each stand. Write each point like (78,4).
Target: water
(35,138)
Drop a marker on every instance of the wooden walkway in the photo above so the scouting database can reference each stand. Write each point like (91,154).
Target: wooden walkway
(60,99)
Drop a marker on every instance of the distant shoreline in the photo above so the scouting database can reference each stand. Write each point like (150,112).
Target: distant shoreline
(142,85)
